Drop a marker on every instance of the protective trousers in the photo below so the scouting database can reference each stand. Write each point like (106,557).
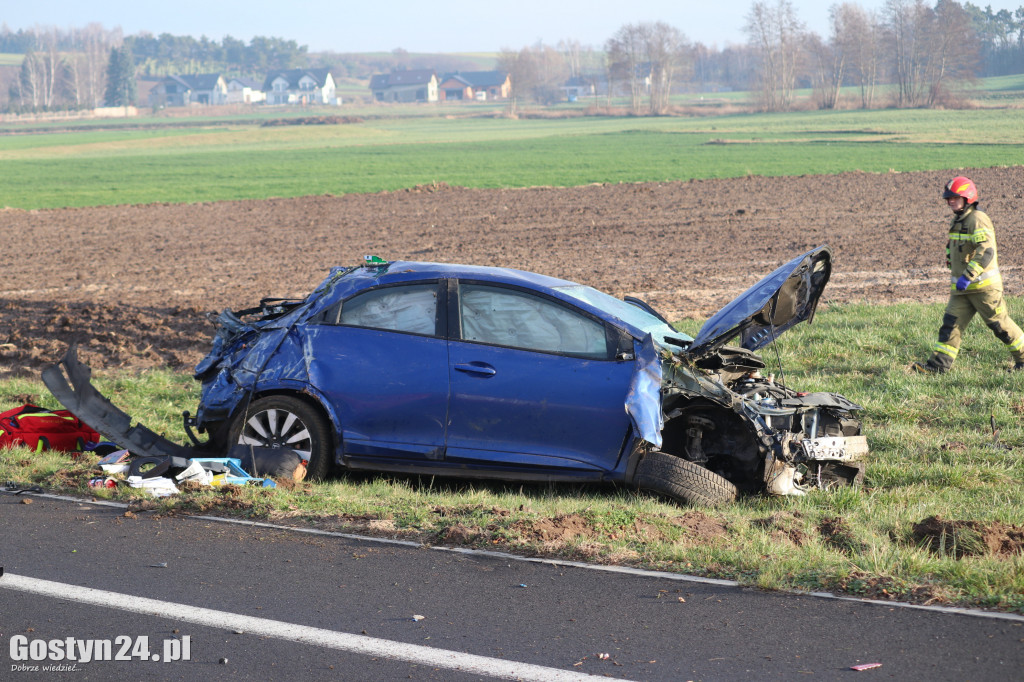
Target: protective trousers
(960,310)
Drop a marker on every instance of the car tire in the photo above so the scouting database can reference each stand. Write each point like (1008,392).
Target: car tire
(281,421)
(682,480)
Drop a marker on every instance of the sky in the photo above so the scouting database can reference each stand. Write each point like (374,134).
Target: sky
(417,25)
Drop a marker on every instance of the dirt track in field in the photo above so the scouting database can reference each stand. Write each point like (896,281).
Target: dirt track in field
(132,283)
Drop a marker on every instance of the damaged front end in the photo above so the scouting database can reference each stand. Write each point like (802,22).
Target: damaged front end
(239,359)
(760,435)
(722,414)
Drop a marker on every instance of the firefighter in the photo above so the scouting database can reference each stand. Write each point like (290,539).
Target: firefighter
(975,284)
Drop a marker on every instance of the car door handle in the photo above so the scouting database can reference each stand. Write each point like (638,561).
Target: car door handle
(476,368)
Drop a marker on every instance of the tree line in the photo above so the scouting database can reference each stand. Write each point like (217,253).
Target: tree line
(83,68)
(924,50)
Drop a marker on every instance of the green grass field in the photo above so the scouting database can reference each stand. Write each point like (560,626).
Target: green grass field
(237,159)
(933,449)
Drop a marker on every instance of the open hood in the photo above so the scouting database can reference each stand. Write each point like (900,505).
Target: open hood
(761,313)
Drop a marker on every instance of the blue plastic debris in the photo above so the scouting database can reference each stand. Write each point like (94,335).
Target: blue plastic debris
(235,475)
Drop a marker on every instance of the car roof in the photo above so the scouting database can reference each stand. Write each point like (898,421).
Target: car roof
(399,271)
(345,282)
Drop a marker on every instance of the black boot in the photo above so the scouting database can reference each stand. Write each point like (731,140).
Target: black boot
(930,367)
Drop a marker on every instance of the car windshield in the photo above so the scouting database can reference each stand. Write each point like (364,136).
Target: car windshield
(631,314)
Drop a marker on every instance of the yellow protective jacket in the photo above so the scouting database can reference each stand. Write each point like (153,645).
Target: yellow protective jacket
(971,251)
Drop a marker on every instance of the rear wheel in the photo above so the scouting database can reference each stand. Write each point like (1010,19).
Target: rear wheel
(682,480)
(281,421)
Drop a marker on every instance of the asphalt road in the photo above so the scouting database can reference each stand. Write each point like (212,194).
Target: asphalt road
(334,607)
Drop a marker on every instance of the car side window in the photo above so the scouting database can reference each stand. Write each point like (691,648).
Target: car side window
(411,308)
(506,317)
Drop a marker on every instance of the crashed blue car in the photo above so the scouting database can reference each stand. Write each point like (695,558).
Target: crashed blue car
(483,372)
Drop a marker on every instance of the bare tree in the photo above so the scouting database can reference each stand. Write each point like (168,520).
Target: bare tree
(552,72)
(536,74)
(626,52)
(829,63)
(572,51)
(50,65)
(907,21)
(858,33)
(27,90)
(667,52)
(777,33)
(72,78)
(648,58)
(933,48)
(36,88)
(95,51)
(701,55)
(64,69)
(953,51)
(521,76)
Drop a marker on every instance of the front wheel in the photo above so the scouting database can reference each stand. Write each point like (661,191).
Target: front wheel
(682,480)
(281,421)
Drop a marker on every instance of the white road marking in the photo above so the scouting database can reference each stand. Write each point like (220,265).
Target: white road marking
(359,644)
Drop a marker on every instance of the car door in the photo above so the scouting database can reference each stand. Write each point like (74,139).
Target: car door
(534,383)
(381,359)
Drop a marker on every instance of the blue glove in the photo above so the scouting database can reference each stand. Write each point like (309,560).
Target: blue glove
(961,284)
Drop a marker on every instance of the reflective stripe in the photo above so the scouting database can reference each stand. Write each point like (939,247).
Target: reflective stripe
(946,349)
(41,415)
(983,280)
(1016,345)
(976,237)
(973,286)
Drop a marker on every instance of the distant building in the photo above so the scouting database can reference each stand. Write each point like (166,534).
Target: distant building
(475,85)
(245,91)
(414,85)
(301,86)
(454,87)
(180,91)
(577,87)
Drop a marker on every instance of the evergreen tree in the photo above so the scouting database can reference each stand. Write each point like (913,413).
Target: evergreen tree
(121,90)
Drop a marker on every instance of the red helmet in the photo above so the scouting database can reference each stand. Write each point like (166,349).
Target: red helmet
(961,187)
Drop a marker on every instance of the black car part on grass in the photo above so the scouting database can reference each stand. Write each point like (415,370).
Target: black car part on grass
(70,382)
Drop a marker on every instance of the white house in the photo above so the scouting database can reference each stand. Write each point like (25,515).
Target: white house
(301,86)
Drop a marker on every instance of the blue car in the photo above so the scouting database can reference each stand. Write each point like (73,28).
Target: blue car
(484,372)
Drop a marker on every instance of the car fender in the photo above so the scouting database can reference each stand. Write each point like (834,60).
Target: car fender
(643,399)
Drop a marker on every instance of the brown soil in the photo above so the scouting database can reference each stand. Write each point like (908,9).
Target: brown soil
(132,283)
(950,537)
(784,526)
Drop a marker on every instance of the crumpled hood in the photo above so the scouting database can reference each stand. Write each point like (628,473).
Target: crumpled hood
(759,315)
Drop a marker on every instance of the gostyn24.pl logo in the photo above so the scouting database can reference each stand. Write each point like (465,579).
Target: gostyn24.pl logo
(29,654)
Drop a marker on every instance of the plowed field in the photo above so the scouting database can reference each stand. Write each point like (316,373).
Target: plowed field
(132,284)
